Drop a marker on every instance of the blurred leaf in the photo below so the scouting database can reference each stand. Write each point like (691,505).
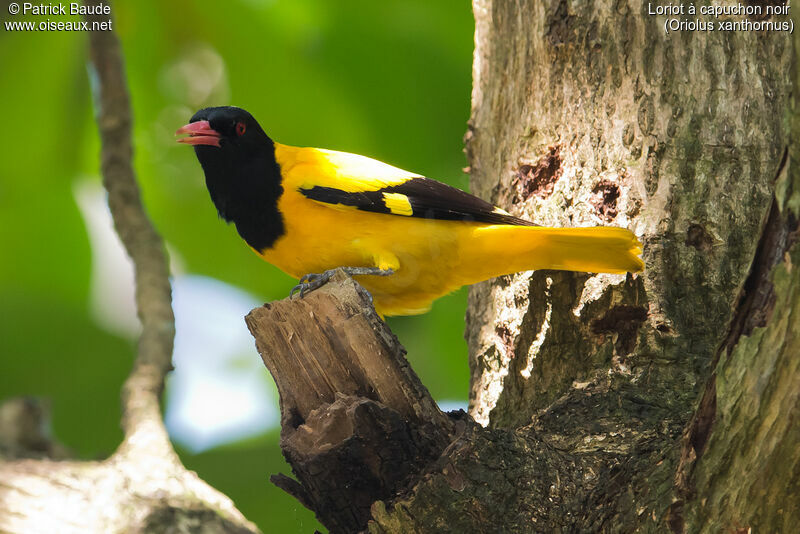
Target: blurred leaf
(41,232)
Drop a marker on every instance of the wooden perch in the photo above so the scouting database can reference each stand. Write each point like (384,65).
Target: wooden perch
(356,421)
(332,342)
(372,451)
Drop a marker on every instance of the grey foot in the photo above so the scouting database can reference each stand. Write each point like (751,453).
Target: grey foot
(312,281)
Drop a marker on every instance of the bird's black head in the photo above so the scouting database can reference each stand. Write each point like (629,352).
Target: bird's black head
(242,176)
(232,130)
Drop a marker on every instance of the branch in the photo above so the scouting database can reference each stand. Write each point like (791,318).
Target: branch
(142,487)
(331,343)
(357,424)
(143,388)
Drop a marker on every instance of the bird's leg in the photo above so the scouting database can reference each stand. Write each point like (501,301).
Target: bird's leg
(312,281)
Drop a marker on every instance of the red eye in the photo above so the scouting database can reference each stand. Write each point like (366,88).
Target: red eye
(240,128)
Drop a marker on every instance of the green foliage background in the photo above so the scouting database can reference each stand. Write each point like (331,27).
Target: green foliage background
(388,79)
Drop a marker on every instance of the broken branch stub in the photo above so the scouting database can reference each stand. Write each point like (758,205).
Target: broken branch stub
(356,422)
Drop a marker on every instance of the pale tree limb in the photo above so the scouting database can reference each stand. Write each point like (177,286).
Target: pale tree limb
(142,487)
(142,390)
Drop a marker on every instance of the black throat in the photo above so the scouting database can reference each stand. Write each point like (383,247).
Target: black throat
(246,190)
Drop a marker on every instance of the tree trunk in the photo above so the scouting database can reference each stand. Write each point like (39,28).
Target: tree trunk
(675,386)
(653,402)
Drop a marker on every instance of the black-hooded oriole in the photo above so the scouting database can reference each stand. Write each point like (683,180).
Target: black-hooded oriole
(406,238)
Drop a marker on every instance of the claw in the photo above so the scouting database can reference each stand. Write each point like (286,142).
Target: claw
(311,281)
(294,290)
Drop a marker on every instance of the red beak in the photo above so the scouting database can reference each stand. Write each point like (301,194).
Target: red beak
(200,133)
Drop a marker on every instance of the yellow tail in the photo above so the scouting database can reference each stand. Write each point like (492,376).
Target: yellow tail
(496,250)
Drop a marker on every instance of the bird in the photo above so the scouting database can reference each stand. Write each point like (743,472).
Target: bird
(406,238)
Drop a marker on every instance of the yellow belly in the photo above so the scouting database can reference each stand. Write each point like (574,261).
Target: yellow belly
(423,253)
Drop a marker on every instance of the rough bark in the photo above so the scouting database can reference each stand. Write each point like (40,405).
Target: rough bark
(142,487)
(685,139)
(664,401)
(356,423)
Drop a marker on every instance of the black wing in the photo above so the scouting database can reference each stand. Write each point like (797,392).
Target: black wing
(418,197)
